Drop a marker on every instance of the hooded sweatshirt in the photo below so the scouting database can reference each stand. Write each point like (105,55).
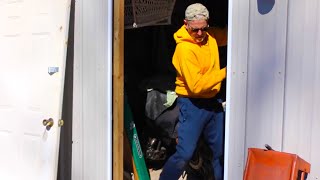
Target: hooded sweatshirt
(197,66)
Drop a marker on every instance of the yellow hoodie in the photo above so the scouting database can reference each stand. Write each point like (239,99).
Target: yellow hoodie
(197,66)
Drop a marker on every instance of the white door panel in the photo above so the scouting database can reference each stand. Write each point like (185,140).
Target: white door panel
(33,37)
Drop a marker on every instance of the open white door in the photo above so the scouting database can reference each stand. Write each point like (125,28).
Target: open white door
(33,43)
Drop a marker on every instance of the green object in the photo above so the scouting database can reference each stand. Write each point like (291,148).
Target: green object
(132,134)
(171,97)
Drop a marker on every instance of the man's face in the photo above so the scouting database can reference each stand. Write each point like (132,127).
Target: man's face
(197,29)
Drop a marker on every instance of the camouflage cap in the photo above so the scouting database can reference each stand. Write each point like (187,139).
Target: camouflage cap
(196,11)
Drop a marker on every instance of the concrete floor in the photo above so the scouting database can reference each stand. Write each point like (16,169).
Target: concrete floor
(155,174)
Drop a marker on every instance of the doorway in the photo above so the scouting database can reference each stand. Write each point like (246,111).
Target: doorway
(147,58)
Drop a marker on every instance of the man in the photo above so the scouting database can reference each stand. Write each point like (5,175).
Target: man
(196,60)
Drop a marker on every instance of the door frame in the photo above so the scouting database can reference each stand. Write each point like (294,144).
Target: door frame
(118,88)
(231,132)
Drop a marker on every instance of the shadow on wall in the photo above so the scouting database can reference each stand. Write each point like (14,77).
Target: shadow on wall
(265,6)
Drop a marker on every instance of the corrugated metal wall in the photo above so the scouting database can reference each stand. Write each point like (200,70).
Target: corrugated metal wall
(274,80)
(92,91)
(302,83)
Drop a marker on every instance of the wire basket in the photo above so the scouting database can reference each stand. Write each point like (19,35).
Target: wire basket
(139,13)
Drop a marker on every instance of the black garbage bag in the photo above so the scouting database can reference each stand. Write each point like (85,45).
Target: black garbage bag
(164,118)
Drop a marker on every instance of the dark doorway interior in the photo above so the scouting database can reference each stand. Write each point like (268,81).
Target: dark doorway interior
(148,52)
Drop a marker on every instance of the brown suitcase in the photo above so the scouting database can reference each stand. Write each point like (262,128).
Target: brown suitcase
(269,164)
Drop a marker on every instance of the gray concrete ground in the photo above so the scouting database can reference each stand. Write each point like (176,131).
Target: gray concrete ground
(154,175)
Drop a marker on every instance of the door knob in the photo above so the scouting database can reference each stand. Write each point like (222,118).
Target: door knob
(48,123)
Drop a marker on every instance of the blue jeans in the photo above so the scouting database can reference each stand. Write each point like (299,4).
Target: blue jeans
(197,116)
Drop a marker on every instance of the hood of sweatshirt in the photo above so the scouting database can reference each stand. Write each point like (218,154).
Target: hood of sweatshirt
(182,35)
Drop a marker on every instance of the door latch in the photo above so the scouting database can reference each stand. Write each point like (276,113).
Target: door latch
(60,123)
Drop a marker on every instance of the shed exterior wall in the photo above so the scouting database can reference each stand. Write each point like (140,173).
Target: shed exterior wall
(274,80)
(92,105)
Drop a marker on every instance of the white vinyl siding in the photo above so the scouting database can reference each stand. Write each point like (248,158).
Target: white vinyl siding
(274,81)
(92,106)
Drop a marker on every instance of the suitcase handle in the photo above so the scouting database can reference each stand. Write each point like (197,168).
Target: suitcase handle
(269,148)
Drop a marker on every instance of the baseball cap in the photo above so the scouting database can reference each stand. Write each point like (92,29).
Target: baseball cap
(196,11)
